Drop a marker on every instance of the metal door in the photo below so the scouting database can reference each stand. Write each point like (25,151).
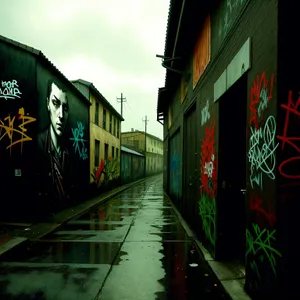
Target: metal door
(175,170)
(190,163)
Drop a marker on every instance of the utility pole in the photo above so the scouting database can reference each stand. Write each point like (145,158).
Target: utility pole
(121,100)
(121,169)
(146,122)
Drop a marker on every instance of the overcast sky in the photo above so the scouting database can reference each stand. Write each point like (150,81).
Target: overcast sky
(111,43)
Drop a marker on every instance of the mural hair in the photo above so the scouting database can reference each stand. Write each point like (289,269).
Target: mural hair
(49,87)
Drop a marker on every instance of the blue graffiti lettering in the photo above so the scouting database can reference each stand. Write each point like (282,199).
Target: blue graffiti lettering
(79,141)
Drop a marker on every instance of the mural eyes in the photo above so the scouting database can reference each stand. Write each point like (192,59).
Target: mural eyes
(55,102)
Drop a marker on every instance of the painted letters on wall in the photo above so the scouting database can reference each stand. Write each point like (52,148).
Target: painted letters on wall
(224,19)
(261,252)
(208,188)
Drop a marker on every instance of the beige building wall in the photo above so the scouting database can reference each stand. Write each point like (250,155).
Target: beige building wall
(134,139)
(98,132)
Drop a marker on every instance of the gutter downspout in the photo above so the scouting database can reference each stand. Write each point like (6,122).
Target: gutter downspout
(178,29)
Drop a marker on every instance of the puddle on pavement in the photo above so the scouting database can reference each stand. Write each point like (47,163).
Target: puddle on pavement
(96,235)
(105,215)
(61,282)
(172,231)
(63,252)
(168,276)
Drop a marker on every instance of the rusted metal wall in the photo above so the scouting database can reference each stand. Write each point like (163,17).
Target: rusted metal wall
(175,170)
(132,167)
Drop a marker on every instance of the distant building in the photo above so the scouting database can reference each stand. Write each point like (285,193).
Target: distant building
(105,128)
(132,165)
(154,152)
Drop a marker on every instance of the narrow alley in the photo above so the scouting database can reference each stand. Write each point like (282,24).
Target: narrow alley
(130,247)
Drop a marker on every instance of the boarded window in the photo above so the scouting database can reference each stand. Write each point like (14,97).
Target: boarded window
(106,151)
(110,123)
(97,153)
(115,126)
(201,55)
(97,114)
(104,118)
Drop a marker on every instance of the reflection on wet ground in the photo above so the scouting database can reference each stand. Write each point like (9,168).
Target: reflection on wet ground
(132,247)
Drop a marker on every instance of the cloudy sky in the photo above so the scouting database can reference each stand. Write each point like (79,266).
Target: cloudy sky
(111,43)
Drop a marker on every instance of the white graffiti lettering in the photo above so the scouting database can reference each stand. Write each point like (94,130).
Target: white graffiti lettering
(263,103)
(256,178)
(208,170)
(230,11)
(9,90)
(205,114)
(261,153)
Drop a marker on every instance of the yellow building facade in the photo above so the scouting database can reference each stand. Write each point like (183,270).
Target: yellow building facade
(154,154)
(105,130)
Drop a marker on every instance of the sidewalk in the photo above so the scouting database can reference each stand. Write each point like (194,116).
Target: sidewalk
(13,238)
(231,275)
(132,246)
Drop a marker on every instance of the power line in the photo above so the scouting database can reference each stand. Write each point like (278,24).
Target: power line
(146,123)
(121,101)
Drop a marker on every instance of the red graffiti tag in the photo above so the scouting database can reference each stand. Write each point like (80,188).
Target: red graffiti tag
(209,163)
(99,171)
(260,96)
(290,107)
(256,205)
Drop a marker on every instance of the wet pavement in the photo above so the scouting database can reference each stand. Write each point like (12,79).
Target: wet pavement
(131,247)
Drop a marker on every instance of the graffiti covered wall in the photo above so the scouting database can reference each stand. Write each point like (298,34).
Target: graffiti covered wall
(17,129)
(208,177)
(262,251)
(223,20)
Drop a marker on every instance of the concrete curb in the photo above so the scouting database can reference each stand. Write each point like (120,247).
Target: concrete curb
(39,230)
(231,279)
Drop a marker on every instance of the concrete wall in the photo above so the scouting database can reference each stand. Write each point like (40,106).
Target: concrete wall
(134,140)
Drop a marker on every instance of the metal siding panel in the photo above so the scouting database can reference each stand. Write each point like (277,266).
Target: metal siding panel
(175,167)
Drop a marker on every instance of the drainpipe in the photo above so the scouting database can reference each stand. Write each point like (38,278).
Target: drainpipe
(178,29)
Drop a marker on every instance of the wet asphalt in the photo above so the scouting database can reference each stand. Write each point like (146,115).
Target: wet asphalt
(131,247)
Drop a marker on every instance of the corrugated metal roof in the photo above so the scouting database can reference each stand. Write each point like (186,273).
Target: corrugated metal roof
(125,149)
(93,88)
(39,54)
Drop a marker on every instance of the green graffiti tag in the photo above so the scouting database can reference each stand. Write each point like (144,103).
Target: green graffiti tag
(260,244)
(108,170)
(207,208)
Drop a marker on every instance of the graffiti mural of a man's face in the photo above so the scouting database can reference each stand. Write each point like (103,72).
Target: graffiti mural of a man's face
(58,108)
